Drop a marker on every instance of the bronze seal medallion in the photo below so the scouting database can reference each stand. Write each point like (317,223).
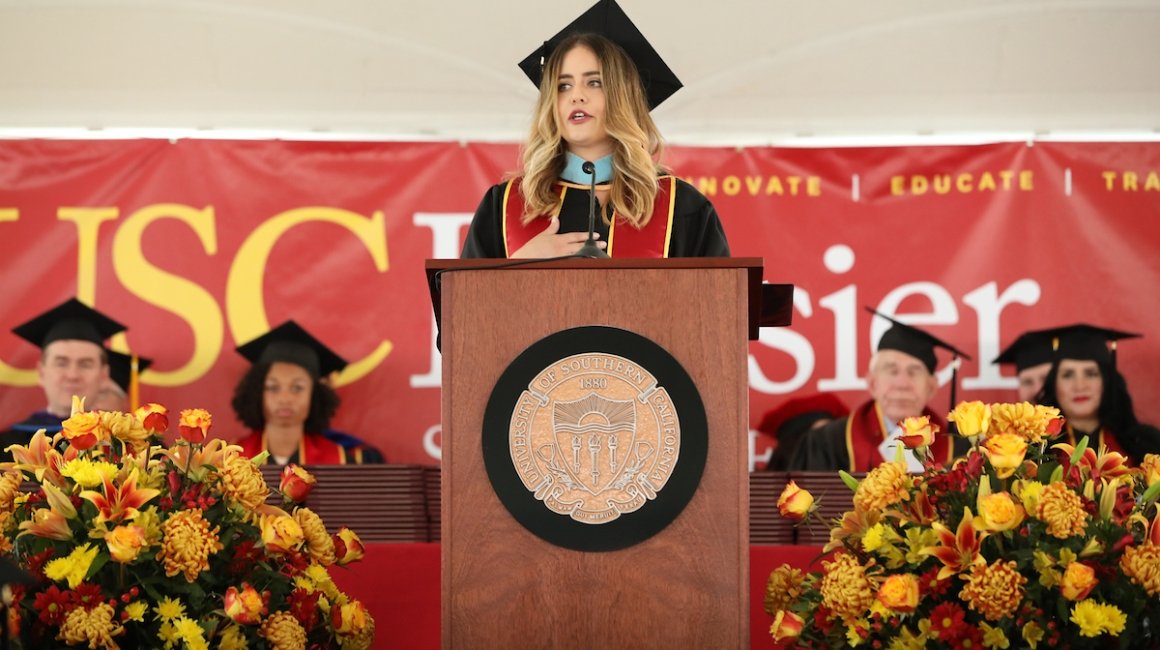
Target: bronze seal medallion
(595,438)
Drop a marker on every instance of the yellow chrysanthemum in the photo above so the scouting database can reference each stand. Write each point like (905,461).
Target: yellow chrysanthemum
(284,632)
(187,543)
(1028,492)
(126,428)
(845,588)
(73,567)
(1062,511)
(362,638)
(907,640)
(783,588)
(233,639)
(136,610)
(1095,618)
(9,489)
(1142,565)
(89,473)
(318,541)
(94,627)
(243,483)
(190,633)
(994,590)
(169,609)
(167,633)
(1026,420)
(884,486)
(149,521)
(321,579)
(873,539)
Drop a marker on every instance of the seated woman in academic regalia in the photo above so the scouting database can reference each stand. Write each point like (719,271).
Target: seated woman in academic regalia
(592,130)
(287,402)
(1085,386)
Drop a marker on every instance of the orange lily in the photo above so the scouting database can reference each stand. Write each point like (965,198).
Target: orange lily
(215,453)
(51,522)
(39,456)
(959,550)
(918,510)
(119,503)
(1105,464)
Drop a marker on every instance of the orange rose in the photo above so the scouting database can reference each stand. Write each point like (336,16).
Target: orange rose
(794,502)
(296,483)
(917,432)
(971,418)
(1078,581)
(83,430)
(899,593)
(349,619)
(194,425)
(246,606)
(1005,452)
(281,533)
(125,543)
(154,417)
(786,626)
(999,512)
(347,546)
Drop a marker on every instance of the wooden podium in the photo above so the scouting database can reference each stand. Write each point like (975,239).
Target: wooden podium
(686,586)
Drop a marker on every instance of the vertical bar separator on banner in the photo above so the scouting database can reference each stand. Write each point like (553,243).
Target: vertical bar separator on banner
(1067,181)
(855,190)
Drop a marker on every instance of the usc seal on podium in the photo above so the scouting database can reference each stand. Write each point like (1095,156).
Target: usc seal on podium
(595,438)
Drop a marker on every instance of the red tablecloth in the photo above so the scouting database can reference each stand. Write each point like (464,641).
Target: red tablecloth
(400,585)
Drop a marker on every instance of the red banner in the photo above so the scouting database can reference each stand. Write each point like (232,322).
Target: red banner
(198,245)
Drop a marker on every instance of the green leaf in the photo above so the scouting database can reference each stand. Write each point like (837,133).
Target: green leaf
(1150,494)
(1056,474)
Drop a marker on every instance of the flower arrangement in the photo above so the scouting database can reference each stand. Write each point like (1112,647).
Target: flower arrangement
(1023,543)
(136,545)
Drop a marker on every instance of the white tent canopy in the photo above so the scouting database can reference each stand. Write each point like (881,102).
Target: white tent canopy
(755,71)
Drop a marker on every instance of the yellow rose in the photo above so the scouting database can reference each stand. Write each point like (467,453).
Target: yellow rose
(194,425)
(998,513)
(154,417)
(125,543)
(246,606)
(794,502)
(83,430)
(1005,452)
(971,418)
(281,533)
(296,483)
(917,432)
(126,428)
(347,546)
(1078,581)
(786,626)
(349,618)
(899,593)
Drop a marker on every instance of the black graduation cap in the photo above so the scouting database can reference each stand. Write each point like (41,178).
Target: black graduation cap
(915,342)
(1030,349)
(609,20)
(290,343)
(1083,342)
(70,320)
(920,345)
(121,367)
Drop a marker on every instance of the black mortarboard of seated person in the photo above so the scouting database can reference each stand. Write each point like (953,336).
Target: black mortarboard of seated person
(70,320)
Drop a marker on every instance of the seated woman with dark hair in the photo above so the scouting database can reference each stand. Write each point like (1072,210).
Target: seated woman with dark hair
(287,402)
(1085,386)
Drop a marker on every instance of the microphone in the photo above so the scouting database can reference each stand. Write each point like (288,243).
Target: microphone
(590,249)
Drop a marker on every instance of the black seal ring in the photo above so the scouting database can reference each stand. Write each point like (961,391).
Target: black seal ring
(630,528)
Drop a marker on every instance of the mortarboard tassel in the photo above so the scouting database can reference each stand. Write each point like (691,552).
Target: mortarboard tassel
(134,386)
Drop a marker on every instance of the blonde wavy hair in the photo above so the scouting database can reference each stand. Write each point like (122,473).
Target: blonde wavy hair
(636,142)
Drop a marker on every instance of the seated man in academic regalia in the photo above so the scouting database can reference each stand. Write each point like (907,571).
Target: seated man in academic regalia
(901,380)
(72,362)
(116,391)
(1031,356)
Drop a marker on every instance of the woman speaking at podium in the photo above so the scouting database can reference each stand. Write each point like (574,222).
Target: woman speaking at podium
(592,130)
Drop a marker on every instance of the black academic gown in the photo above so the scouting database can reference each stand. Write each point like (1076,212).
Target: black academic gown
(21,432)
(696,232)
(827,448)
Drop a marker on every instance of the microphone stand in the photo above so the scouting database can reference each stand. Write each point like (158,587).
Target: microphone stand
(590,249)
